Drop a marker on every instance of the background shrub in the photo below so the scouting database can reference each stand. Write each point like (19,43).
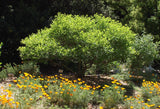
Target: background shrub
(15,70)
(80,39)
(144,51)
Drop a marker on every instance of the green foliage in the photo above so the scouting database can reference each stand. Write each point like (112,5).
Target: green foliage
(135,103)
(150,93)
(0,52)
(111,96)
(140,15)
(14,26)
(17,69)
(80,39)
(144,51)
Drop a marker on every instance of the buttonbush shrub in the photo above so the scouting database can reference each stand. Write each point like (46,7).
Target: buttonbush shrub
(82,40)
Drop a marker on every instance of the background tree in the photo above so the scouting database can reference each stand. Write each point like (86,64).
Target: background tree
(141,15)
(19,18)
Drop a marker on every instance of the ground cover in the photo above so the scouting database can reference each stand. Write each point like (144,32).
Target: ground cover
(92,92)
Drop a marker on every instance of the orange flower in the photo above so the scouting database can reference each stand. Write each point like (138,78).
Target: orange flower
(71,94)
(17,104)
(122,88)
(116,87)
(74,90)
(10,85)
(112,78)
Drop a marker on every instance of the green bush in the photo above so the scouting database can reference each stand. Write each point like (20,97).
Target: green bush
(112,96)
(15,70)
(144,51)
(0,52)
(79,39)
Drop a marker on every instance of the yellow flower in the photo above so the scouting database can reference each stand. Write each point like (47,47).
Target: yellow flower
(81,87)
(122,88)
(92,92)
(19,86)
(11,99)
(113,82)
(125,96)
(17,103)
(53,81)
(45,86)
(49,98)
(14,81)
(79,79)
(131,107)
(100,107)
(79,83)
(152,105)
(106,85)
(30,99)
(56,92)
(148,99)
